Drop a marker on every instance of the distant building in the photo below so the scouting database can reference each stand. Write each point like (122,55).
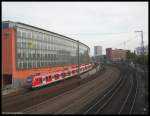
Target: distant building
(98,53)
(108,53)
(116,55)
(97,50)
(139,50)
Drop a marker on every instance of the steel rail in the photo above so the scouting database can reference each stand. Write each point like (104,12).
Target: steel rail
(130,94)
(106,95)
(83,98)
(134,98)
(116,84)
(125,101)
(116,90)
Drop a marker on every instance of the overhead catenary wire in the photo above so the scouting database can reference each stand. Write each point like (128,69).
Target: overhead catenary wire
(92,34)
(124,42)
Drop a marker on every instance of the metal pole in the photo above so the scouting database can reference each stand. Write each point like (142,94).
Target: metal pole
(142,47)
(142,42)
(78,60)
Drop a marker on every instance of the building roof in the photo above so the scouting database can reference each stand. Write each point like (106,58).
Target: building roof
(44,30)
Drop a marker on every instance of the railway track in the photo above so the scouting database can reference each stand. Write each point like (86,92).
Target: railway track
(106,104)
(128,105)
(83,100)
(103,101)
(23,101)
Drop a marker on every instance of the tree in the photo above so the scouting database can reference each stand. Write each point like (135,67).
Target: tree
(142,60)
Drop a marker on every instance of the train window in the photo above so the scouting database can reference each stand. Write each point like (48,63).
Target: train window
(47,78)
(40,80)
(63,74)
(43,79)
(29,79)
(36,80)
(57,75)
(68,72)
(52,77)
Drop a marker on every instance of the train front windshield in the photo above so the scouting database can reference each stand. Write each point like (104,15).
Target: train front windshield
(29,79)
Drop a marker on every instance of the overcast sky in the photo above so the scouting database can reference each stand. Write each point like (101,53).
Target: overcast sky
(108,24)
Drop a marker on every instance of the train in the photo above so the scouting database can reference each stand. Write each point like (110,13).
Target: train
(42,79)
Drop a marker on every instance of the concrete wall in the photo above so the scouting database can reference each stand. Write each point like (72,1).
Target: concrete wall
(93,71)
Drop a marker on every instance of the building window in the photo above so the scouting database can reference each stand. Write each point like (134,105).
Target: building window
(18,33)
(46,50)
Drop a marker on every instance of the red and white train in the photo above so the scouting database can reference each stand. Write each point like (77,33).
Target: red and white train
(42,79)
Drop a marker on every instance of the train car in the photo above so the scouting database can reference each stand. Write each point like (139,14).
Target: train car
(42,79)
(74,71)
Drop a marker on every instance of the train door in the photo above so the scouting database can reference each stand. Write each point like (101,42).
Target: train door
(44,80)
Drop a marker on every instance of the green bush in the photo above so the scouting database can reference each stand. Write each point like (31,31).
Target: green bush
(143,60)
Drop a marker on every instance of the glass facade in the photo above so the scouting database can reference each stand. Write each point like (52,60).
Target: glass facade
(83,54)
(36,49)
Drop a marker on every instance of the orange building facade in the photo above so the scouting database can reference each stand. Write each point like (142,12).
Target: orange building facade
(19,62)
